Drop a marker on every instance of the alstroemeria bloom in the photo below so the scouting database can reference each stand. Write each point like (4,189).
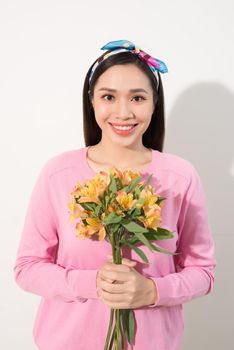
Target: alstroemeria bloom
(126,176)
(94,188)
(152,217)
(149,198)
(95,225)
(76,212)
(125,199)
(83,231)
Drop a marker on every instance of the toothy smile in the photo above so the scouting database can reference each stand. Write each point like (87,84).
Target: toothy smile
(123,126)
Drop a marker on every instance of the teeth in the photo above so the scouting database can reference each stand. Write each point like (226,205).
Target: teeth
(123,127)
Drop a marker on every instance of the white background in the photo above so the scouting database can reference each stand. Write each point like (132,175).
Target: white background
(46,49)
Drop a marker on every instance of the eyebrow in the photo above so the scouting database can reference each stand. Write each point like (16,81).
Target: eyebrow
(131,90)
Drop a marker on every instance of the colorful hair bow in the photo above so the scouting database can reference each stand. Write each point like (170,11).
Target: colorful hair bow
(124,45)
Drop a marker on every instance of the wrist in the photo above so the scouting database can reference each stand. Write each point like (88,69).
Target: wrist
(153,295)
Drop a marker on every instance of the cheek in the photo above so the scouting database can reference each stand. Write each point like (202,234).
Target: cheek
(101,110)
(101,115)
(145,115)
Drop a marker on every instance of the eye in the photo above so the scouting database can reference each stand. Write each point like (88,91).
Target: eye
(105,96)
(142,98)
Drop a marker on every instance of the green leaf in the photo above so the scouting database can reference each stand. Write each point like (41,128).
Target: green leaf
(108,198)
(132,226)
(119,183)
(132,185)
(138,251)
(137,191)
(147,182)
(161,250)
(132,240)
(134,212)
(131,326)
(128,322)
(112,218)
(115,227)
(89,206)
(138,231)
(112,185)
(160,233)
(151,235)
(97,210)
(160,199)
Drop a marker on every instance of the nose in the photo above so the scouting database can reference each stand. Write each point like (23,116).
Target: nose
(123,109)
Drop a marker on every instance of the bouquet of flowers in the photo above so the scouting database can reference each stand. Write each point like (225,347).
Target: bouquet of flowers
(125,210)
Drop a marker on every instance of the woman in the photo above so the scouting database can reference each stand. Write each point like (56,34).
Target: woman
(124,127)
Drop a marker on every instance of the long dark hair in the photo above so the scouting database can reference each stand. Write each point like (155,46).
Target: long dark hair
(153,137)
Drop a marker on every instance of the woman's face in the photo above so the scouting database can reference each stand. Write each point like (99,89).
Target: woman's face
(114,101)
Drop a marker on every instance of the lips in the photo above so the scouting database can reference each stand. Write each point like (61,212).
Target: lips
(116,124)
(127,131)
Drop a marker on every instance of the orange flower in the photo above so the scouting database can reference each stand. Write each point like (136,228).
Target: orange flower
(94,188)
(95,226)
(150,198)
(77,190)
(113,207)
(125,199)
(126,176)
(76,211)
(152,217)
(84,231)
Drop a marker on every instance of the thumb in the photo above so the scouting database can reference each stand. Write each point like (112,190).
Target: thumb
(125,261)
(110,258)
(128,262)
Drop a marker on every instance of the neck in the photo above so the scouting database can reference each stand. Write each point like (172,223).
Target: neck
(119,155)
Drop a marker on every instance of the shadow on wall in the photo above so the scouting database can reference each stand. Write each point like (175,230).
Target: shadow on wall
(200,129)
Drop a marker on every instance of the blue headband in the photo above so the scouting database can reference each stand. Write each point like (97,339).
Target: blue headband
(125,45)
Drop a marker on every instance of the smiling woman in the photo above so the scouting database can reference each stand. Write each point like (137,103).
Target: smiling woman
(123,121)
(124,108)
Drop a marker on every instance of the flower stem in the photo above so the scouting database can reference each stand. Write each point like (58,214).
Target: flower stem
(109,329)
(117,338)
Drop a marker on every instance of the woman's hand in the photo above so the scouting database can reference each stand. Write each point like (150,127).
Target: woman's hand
(120,286)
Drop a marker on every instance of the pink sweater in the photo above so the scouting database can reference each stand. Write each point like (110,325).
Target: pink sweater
(54,264)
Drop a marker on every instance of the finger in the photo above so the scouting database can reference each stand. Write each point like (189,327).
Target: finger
(124,260)
(118,276)
(112,288)
(128,262)
(116,267)
(115,301)
(109,280)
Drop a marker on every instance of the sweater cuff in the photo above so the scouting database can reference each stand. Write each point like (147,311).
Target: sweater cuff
(161,285)
(83,283)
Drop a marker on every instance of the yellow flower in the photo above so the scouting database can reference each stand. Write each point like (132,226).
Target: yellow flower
(84,231)
(125,199)
(114,208)
(76,212)
(141,183)
(129,176)
(125,176)
(149,198)
(95,226)
(152,217)
(94,188)
(77,190)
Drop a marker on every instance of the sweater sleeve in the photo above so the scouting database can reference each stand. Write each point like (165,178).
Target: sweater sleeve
(35,269)
(195,264)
